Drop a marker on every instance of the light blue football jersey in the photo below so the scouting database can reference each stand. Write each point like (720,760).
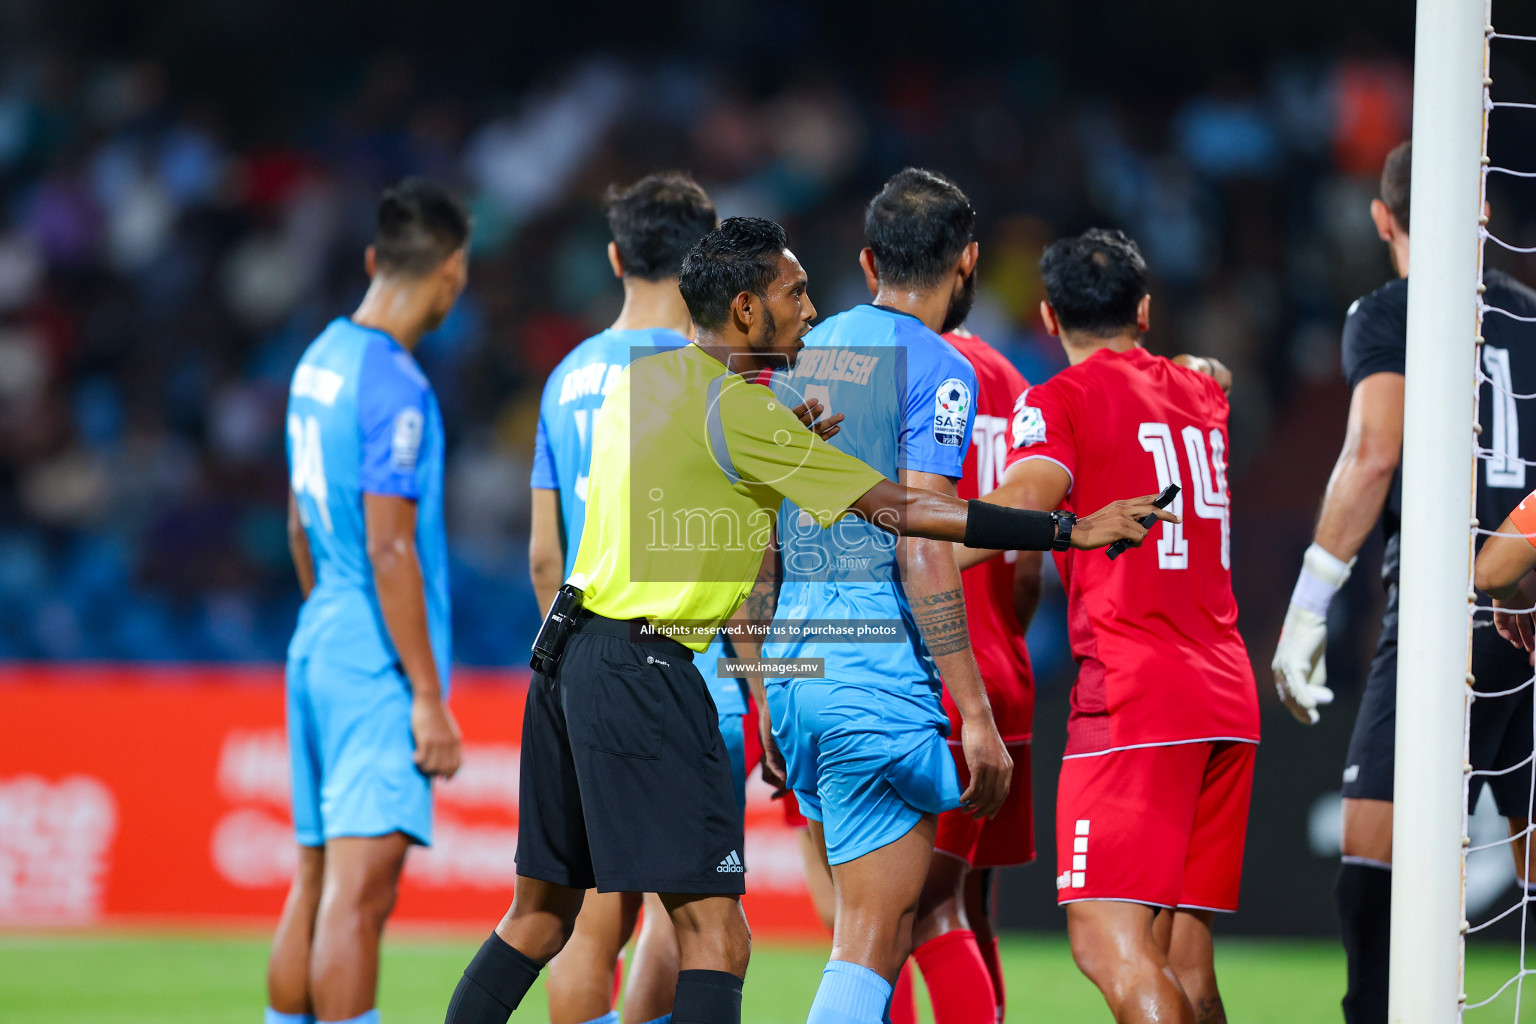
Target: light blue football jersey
(562,453)
(908,400)
(362,419)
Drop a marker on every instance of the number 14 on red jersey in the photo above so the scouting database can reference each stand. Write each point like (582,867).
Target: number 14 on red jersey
(1208,490)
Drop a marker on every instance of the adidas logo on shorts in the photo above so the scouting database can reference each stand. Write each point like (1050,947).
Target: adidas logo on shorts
(731,865)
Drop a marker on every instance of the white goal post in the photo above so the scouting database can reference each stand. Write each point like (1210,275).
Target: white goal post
(1434,633)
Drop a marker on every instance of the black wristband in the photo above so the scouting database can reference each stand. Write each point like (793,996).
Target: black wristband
(1010,529)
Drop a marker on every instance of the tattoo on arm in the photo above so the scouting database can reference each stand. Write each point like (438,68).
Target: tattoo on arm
(764,597)
(940,619)
(760,604)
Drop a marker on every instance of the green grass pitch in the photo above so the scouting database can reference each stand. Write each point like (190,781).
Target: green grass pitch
(214,978)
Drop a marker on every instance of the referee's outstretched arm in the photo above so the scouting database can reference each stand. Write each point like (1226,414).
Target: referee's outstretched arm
(910,512)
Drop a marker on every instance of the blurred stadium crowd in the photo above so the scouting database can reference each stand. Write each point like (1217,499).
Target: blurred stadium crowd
(162,266)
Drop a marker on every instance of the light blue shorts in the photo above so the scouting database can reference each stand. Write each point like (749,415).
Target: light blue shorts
(350,752)
(865,760)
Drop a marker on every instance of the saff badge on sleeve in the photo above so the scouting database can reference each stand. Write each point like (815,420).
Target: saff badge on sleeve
(951,412)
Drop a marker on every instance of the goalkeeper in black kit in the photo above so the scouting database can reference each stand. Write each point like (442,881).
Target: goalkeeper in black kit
(1366,485)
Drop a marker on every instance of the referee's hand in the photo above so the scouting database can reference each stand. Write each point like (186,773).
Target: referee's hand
(810,410)
(1119,520)
(990,766)
(438,746)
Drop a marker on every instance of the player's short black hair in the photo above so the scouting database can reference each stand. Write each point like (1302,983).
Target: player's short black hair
(1396,174)
(419,224)
(741,255)
(1095,281)
(655,222)
(917,226)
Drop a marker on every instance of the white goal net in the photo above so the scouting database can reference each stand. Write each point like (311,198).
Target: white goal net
(1499,460)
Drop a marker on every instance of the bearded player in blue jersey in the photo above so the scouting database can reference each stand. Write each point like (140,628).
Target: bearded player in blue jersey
(864,744)
(654,223)
(367,678)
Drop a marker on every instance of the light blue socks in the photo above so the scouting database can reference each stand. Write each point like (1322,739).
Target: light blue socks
(849,994)
(664,1019)
(611,1017)
(371,1017)
(273,1017)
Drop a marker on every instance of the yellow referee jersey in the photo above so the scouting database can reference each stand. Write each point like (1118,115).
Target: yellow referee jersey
(690,463)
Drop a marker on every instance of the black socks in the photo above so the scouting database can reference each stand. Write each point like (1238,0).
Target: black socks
(706,997)
(498,978)
(1363,894)
(495,982)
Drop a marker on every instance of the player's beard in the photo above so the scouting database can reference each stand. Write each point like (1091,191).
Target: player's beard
(960,305)
(770,358)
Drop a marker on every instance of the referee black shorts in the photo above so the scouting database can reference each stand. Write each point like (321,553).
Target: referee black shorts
(1501,731)
(626,782)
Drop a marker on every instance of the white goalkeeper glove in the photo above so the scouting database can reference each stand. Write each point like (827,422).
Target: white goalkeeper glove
(1301,671)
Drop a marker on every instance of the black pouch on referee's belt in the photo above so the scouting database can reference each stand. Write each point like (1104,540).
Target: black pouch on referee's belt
(563,618)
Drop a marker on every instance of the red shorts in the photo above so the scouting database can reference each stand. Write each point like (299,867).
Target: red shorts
(1157,825)
(1003,840)
(792,816)
(752,739)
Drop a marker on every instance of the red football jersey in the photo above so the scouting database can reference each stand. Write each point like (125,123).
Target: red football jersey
(1155,631)
(996,636)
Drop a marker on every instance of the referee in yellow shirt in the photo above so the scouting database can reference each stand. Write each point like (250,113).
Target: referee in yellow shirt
(626,784)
